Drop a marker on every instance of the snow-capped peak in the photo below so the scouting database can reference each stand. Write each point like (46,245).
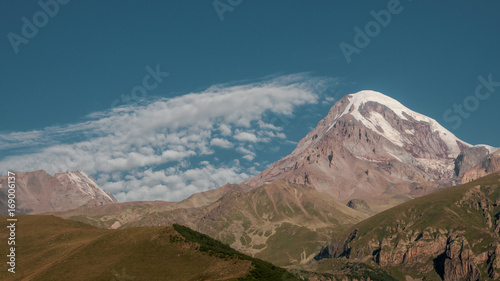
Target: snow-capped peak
(85,184)
(362,97)
(375,121)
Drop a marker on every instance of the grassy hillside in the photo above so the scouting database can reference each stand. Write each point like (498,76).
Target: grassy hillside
(445,235)
(52,248)
(440,209)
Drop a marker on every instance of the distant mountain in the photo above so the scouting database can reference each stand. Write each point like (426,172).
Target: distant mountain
(280,222)
(52,248)
(38,192)
(452,234)
(371,147)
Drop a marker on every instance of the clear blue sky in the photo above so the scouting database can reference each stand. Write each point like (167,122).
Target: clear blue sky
(428,57)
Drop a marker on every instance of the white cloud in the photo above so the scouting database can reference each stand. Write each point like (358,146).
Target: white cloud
(328,100)
(174,184)
(249,154)
(246,136)
(225,130)
(249,157)
(120,145)
(221,143)
(264,125)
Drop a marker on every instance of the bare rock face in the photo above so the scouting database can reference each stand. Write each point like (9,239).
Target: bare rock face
(39,192)
(459,263)
(469,158)
(494,262)
(370,146)
(489,164)
(413,250)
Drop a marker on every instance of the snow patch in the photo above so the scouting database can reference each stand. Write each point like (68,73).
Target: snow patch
(331,125)
(85,183)
(376,119)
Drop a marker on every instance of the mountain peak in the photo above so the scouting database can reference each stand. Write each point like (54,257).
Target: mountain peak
(374,109)
(360,99)
(370,95)
(372,146)
(84,183)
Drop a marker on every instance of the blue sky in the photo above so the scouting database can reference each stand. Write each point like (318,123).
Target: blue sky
(64,90)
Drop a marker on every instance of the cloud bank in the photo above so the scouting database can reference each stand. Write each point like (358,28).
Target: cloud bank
(153,151)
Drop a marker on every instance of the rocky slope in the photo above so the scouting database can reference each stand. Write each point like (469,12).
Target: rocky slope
(38,192)
(452,234)
(266,222)
(371,147)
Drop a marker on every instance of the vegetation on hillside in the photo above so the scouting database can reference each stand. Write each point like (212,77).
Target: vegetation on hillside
(261,270)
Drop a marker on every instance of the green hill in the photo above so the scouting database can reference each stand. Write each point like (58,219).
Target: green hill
(52,248)
(452,234)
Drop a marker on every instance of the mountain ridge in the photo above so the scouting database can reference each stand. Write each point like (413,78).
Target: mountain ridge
(254,221)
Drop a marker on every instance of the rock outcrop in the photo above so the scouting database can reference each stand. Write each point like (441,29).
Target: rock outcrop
(359,205)
(489,164)
(459,264)
(469,158)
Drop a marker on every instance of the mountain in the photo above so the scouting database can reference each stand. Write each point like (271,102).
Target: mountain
(368,154)
(38,192)
(371,147)
(452,234)
(265,222)
(51,248)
